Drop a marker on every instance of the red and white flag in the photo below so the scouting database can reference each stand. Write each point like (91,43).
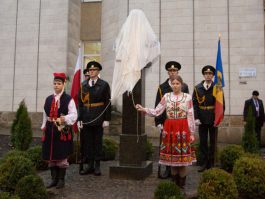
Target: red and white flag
(76,83)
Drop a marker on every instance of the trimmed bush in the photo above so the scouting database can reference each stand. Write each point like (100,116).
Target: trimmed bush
(229,155)
(22,130)
(217,184)
(31,187)
(109,149)
(249,175)
(249,140)
(168,190)
(21,107)
(13,153)
(12,170)
(34,154)
(149,150)
(6,195)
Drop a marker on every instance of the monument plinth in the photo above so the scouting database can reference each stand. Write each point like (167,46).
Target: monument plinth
(132,156)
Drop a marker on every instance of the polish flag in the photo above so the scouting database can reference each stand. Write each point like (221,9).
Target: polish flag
(76,84)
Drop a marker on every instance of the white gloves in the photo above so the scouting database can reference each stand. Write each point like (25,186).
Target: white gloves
(160,127)
(197,122)
(80,124)
(105,124)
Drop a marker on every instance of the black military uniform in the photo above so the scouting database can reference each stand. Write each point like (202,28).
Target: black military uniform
(162,90)
(94,108)
(204,110)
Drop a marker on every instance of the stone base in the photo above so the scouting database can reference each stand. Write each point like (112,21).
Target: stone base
(131,172)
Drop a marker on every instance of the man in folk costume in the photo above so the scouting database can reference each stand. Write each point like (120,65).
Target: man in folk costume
(204,111)
(59,114)
(94,114)
(172,67)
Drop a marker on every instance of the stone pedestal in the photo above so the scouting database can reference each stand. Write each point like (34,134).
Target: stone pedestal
(132,161)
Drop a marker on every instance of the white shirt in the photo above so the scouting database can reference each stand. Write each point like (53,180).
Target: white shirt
(70,118)
(90,82)
(206,86)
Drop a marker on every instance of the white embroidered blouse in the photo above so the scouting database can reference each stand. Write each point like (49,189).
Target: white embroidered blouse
(177,107)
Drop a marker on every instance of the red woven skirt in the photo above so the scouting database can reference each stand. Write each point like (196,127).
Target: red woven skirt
(175,148)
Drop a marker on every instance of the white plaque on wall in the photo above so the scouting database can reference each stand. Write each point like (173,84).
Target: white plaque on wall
(247,72)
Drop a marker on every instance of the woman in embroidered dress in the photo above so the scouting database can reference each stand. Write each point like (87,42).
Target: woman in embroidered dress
(178,132)
(57,141)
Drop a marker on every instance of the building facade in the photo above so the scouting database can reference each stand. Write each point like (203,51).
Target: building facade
(39,37)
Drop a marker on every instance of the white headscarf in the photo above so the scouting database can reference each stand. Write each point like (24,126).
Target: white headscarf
(135,46)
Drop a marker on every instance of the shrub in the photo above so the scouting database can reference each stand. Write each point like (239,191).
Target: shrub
(109,149)
(31,187)
(168,189)
(249,140)
(13,153)
(34,154)
(149,150)
(21,107)
(229,155)
(217,184)
(6,195)
(249,177)
(12,169)
(22,130)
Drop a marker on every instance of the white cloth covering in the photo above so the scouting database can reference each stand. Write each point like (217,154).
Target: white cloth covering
(135,47)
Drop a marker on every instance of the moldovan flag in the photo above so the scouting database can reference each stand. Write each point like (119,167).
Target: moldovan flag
(76,84)
(218,88)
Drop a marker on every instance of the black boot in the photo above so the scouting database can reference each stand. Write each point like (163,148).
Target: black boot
(97,171)
(182,182)
(60,183)
(203,167)
(175,179)
(90,169)
(54,175)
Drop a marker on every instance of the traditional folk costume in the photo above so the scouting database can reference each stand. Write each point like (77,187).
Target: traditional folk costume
(164,88)
(175,149)
(57,143)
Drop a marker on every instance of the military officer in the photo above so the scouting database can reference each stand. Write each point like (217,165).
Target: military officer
(204,112)
(95,114)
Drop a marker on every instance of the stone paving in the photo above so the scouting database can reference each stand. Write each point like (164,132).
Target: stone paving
(94,187)
(102,187)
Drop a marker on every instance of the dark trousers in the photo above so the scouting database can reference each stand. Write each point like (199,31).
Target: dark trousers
(208,153)
(91,142)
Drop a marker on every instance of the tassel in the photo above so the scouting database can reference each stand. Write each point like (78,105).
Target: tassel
(61,137)
(43,138)
(69,136)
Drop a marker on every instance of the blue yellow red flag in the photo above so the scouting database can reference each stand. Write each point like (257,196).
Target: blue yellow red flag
(218,88)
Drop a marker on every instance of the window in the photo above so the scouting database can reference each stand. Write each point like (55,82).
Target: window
(91,52)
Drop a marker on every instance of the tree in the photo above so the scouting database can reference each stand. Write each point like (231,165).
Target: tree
(249,140)
(22,135)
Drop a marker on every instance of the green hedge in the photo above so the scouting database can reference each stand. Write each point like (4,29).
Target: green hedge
(229,155)
(31,187)
(217,184)
(34,154)
(168,190)
(12,170)
(109,149)
(249,175)
(6,195)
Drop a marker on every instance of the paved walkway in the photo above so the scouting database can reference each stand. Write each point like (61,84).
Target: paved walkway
(102,187)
